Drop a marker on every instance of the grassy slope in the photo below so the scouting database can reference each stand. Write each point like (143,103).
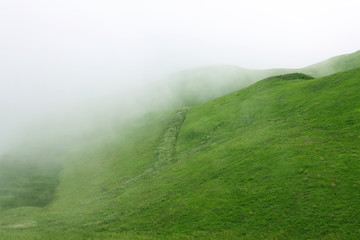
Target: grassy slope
(27,178)
(276,160)
(23,183)
(279,158)
(199,85)
(333,65)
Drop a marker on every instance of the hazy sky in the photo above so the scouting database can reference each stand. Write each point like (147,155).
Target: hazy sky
(53,53)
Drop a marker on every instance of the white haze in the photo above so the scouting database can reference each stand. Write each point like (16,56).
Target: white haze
(59,58)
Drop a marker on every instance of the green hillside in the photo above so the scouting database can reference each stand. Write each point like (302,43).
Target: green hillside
(333,65)
(276,160)
(199,85)
(25,183)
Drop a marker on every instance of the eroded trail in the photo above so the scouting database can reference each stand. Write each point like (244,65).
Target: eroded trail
(167,148)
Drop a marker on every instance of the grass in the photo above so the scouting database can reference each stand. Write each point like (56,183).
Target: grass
(276,160)
(199,85)
(26,183)
(333,65)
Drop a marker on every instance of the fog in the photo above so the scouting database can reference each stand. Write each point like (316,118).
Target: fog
(84,65)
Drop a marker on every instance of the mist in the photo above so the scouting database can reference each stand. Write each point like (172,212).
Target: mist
(83,68)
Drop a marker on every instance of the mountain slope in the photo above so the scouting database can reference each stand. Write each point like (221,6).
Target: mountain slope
(333,65)
(199,85)
(276,160)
